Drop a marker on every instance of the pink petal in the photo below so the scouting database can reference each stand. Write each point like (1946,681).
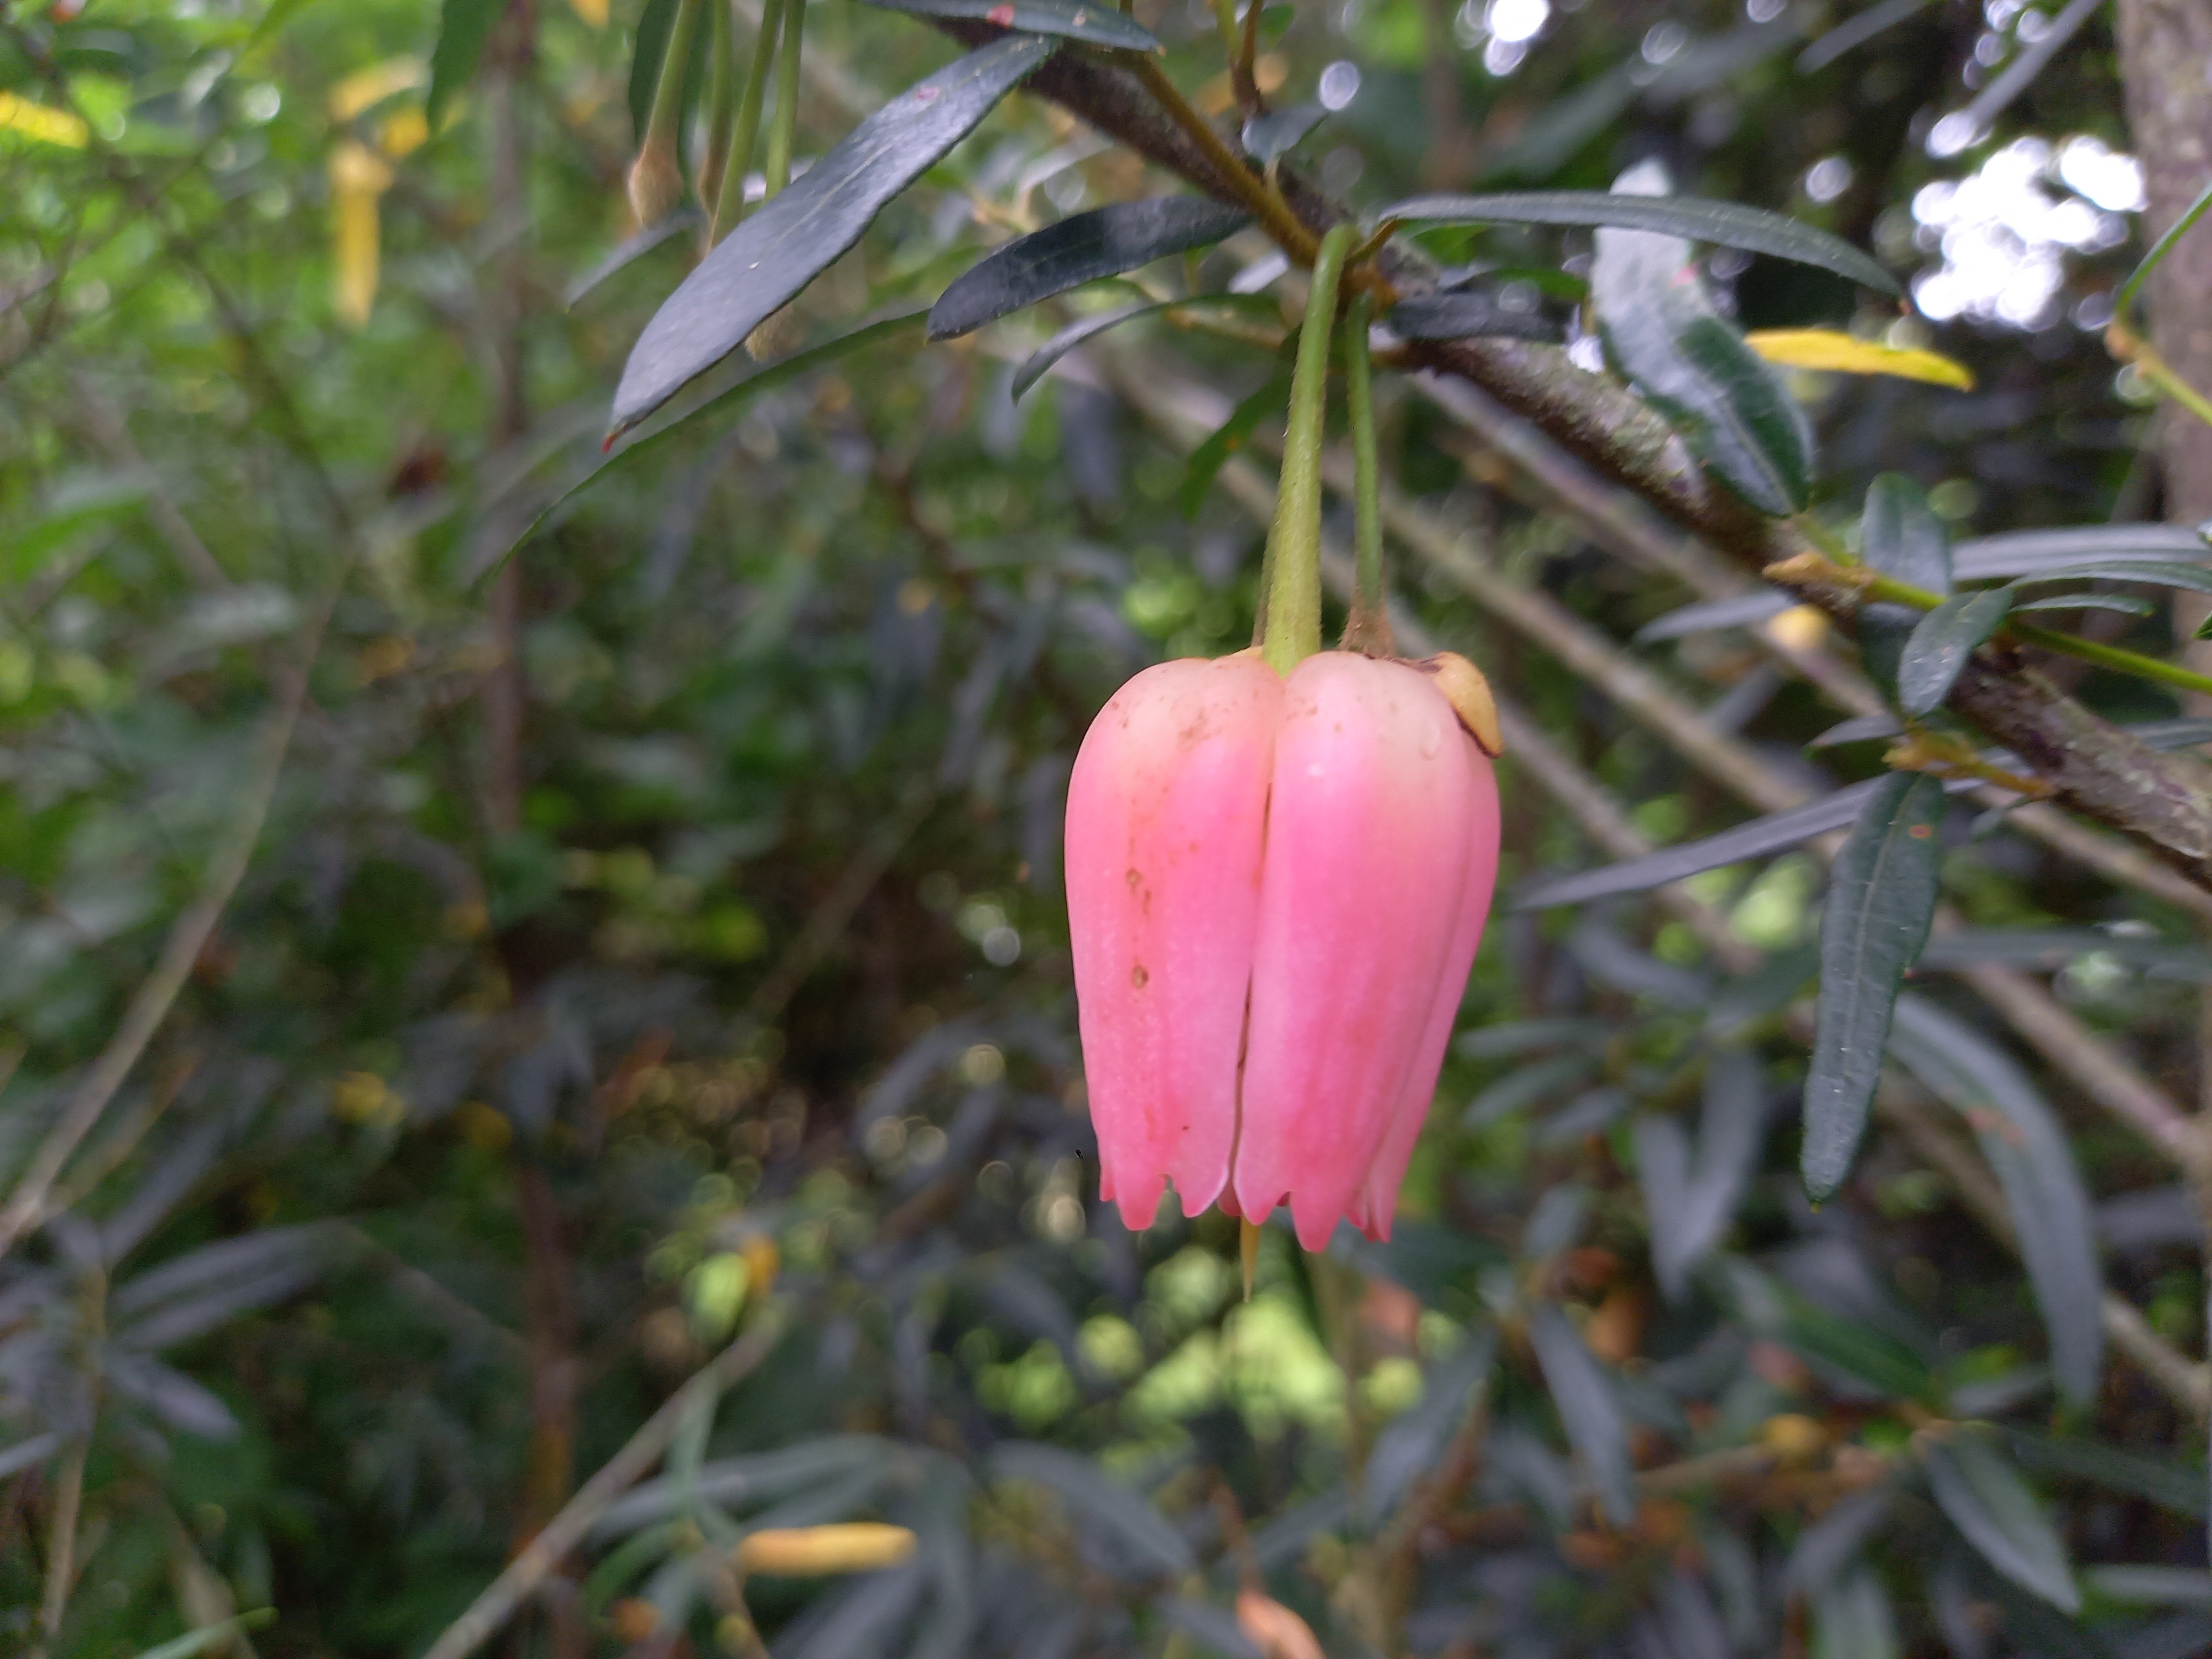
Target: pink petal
(1372,823)
(1378,1200)
(1167,812)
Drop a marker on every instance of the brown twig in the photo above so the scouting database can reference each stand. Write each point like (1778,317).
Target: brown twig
(624,1469)
(188,936)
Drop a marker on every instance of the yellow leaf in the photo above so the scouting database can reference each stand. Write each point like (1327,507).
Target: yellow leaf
(404,131)
(365,88)
(1830,349)
(358,178)
(47,126)
(593,12)
(810,1552)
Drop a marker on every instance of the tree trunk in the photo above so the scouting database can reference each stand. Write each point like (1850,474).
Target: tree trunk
(2166,57)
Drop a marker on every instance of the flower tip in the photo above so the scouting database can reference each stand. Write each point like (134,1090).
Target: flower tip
(1469,695)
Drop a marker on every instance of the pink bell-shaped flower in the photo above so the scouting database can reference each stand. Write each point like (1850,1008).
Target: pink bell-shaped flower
(1276,886)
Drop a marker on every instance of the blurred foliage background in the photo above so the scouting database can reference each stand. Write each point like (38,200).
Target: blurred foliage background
(480,988)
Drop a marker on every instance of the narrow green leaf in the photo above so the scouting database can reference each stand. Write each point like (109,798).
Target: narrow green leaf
(464,28)
(2152,573)
(1852,1618)
(1903,536)
(2173,1483)
(1661,329)
(2025,552)
(1855,32)
(1724,224)
(1588,1410)
(2126,603)
(1771,834)
(1097,1500)
(1034,367)
(1985,1499)
(272,23)
(1856,1350)
(628,251)
(2152,260)
(1690,1198)
(84,504)
(1104,242)
(1463,316)
(208,1638)
(1232,435)
(764,379)
(1940,643)
(1275,134)
(1882,899)
(774,254)
(2027,1147)
(1096,22)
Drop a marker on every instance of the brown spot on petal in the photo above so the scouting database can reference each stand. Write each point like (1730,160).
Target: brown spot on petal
(1139,977)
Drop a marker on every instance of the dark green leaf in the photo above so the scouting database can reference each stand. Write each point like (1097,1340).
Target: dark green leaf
(1690,1200)
(648,47)
(1209,457)
(2051,949)
(1744,611)
(749,1481)
(1856,1350)
(1940,643)
(630,250)
(1411,1448)
(2027,1145)
(1034,366)
(1663,332)
(1771,834)
(1725,224)
(208,1638)
(1852,1618)
(1831,1544)
(1096,1501)
(2023,552)
(1528,1085)
(1855,32)
(84,504)
(1902,535)
(774,254)
(1587,1409)
(1882,899)
(1525,1036)
(1463,316)
(1098,22)
(2174,1483)
(1860,728)
(1277,132)
(1104,242)
(1990,1503)
(464,27)
(764,379)
(272,22)
(2126,603)
(2152,573)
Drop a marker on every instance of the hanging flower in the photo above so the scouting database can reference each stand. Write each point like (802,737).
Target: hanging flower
(1276,885)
